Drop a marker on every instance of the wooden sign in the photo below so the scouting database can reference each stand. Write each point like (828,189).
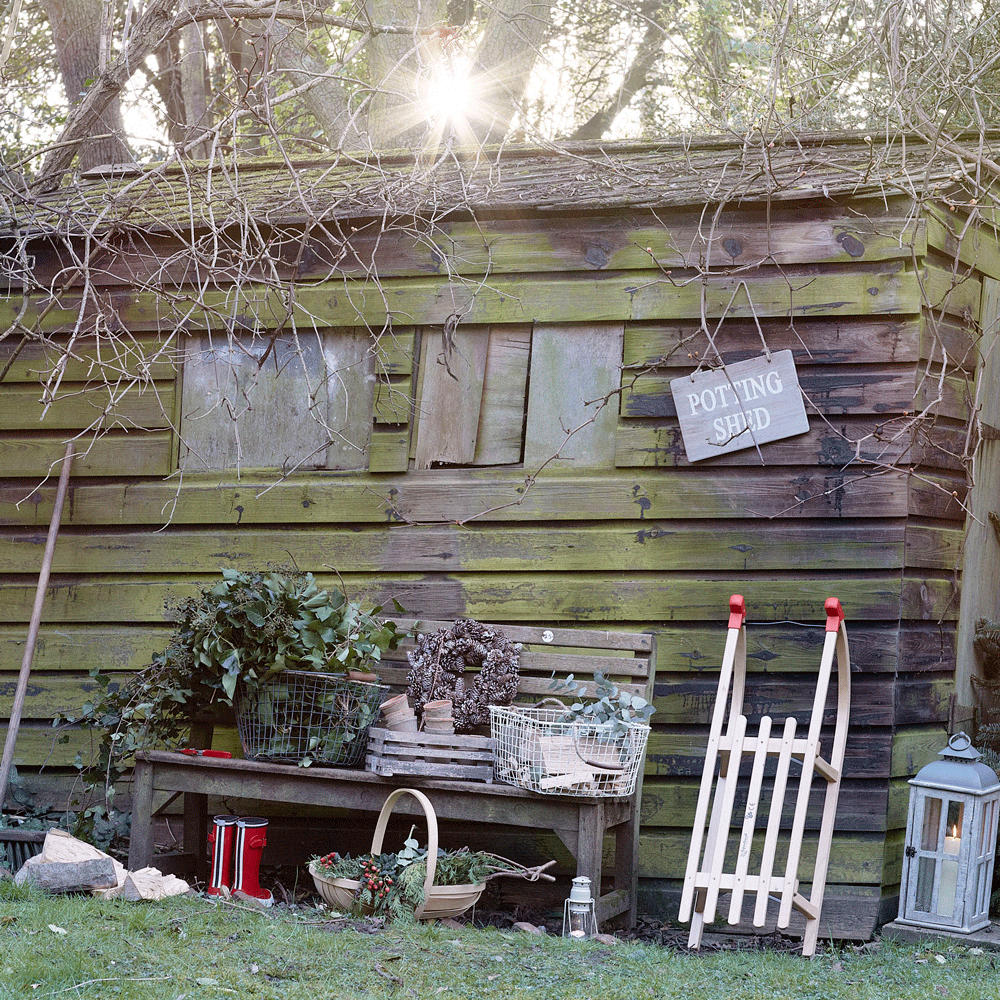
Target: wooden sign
(739,406)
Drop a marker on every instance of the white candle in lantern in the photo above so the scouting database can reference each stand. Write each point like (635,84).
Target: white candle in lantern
(952,842)
(948,884)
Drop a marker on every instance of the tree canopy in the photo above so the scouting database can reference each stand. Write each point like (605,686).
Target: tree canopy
(102,81)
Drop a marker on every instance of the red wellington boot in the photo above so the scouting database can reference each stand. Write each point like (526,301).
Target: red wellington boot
(250,840)
(221,840)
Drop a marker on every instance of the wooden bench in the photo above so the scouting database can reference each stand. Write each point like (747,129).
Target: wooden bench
(582,823)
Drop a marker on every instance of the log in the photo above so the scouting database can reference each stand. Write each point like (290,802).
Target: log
(68,876)
(147,884)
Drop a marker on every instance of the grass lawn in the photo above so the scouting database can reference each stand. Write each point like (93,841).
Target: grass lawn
(189,947)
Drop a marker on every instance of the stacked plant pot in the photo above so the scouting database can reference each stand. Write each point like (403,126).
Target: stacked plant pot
(398,715)
(437,717)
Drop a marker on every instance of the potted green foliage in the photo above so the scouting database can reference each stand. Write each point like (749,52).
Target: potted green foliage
(240,633)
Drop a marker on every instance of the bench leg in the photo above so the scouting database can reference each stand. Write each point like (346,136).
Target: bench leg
(196,832)
(140,845)
(626,879)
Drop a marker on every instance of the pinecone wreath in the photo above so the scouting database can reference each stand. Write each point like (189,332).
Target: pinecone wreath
(471,664)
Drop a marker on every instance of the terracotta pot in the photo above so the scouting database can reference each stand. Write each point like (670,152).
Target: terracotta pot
(437,710)
(440,726)
(396,704)
(402,724)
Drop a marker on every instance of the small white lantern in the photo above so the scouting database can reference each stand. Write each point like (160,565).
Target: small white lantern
(951,835)
(579,914)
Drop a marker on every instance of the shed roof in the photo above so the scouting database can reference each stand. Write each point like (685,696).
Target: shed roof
(511,179)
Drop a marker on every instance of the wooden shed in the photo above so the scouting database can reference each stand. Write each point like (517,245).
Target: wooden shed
(452,374)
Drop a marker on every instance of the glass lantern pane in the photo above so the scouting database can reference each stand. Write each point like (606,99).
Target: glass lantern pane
(986,828)
(931,826)
(947,887)
(925,884)
(953,829)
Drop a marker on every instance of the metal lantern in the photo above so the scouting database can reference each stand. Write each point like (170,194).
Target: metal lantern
(579,914)
(951,835)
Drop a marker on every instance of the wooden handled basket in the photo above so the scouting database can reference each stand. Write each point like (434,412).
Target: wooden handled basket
(440,901)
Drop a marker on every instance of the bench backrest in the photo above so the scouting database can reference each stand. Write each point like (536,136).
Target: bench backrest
(628,659)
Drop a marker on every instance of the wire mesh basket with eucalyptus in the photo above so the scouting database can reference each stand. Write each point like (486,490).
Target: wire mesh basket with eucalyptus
(302,717)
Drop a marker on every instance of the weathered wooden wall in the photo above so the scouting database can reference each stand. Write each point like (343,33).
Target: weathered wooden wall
(446,509)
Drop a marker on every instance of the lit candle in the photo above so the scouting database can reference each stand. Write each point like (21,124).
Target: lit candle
(948,884)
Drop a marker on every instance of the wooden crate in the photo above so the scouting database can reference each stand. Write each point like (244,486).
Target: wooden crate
(469,758)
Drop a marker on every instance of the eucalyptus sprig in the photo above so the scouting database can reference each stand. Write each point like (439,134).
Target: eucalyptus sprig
(611,707)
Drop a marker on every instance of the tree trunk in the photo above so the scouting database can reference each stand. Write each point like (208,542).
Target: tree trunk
(512,36)
(248,52)
(167,81)
(76,33)
(322,94)
(395,119)
(194,87)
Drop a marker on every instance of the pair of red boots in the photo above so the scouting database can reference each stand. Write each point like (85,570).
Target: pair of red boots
(237,843)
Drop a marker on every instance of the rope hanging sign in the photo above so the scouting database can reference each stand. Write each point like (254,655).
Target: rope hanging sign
(738,406)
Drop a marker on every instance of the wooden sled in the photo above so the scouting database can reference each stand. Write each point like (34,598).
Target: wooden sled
(705,876)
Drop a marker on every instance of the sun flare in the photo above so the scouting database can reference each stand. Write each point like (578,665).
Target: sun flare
(448,96)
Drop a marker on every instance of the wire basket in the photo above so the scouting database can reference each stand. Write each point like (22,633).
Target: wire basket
(298,715)
(541,750)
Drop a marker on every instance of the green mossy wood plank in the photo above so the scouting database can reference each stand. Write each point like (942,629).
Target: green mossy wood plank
(139,453)
(499,246)
(91,360)
(836,441)
(110,647)
(77,406)
(680,752)
(836,290)
(913,747)
(553,597)
(862,805)
(933,546)
(39,745)
(855,858)
(971,246)
(951,291)
(390,448)
(568,423)
(876,699)
(913,647)
(827,340)
(393,401)
(659,545)
(844,389)
(503,246)
(494,496)
(49,694)
(695,648)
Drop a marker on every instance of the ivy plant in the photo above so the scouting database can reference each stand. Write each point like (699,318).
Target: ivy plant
(245,628)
